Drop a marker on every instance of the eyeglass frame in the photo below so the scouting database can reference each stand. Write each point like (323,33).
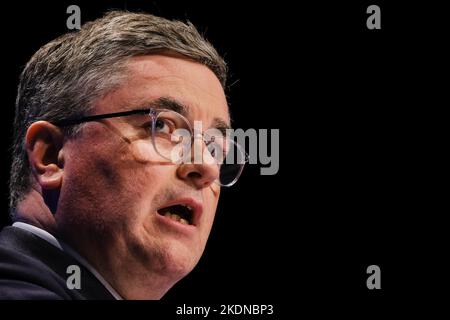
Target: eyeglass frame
(153,113)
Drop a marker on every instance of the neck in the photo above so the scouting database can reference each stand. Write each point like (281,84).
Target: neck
(33,210)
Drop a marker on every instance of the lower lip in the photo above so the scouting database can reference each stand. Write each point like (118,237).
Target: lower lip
(184,228)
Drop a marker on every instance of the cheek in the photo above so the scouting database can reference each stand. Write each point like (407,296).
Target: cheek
(141,183)
(211,202)
(116,178)
(142,151)
(127,169)
(143,175)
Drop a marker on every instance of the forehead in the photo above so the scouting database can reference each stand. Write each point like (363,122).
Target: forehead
(154,76)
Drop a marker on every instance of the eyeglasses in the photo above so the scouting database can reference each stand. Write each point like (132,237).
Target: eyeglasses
(172,137)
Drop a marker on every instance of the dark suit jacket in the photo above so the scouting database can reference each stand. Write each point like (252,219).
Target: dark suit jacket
(32,268)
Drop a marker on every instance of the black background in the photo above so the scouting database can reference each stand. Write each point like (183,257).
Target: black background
(354,107)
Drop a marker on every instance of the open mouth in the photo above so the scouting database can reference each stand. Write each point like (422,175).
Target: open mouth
(179,212)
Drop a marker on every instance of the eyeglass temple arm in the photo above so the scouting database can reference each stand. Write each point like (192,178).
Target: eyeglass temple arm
(74,121)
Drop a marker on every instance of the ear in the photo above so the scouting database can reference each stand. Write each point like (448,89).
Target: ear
(43,143)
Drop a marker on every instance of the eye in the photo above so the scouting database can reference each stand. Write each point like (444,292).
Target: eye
(165,126)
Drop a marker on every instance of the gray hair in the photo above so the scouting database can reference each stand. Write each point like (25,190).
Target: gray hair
(66,76)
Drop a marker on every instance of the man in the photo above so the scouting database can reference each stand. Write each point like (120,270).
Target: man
(105,198)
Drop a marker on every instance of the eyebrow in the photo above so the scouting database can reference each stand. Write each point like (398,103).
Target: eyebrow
(173,104)
(170,104)
(221,125)
(160,103)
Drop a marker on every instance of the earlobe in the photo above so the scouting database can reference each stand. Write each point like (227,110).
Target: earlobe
(43,143)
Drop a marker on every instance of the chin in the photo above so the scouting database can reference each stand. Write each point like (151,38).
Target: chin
(180,260)
(164,254)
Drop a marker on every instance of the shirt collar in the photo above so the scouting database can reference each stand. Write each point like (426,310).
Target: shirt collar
(65,248)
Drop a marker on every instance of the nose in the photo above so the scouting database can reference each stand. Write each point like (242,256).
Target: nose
(200,173)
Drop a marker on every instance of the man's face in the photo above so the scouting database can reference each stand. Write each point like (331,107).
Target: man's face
(114,183)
